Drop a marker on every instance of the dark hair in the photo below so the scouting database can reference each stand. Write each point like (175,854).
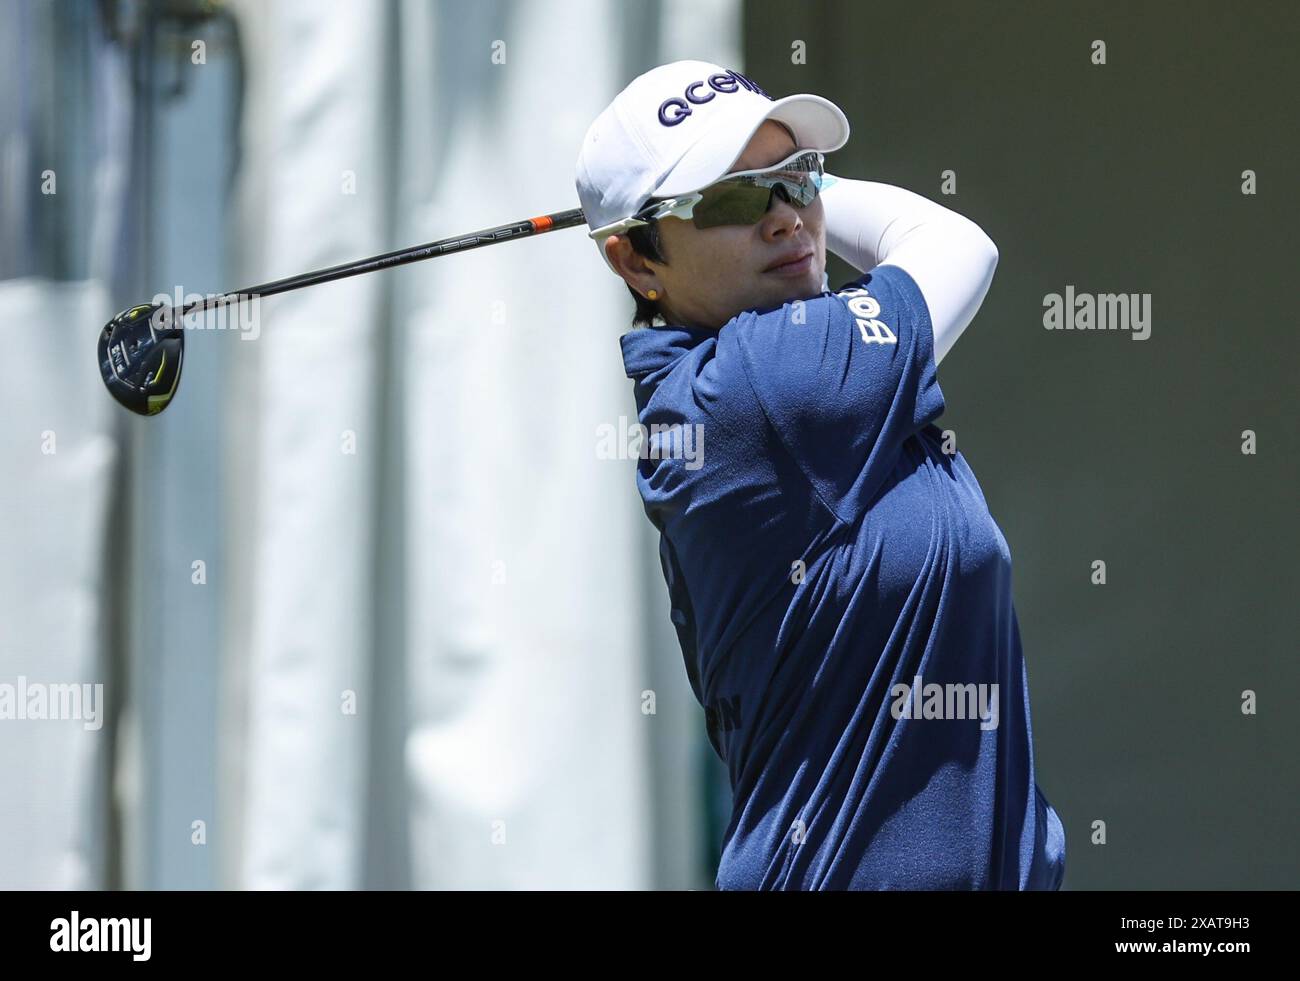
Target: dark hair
(645,241)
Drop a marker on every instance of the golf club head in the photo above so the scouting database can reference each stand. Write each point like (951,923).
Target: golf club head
(140,361)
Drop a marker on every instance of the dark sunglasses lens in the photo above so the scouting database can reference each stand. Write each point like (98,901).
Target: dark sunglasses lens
(802,180)
(744,202)
(802,192)
(732,204)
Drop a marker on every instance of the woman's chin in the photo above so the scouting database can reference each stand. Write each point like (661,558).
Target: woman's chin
(805,287)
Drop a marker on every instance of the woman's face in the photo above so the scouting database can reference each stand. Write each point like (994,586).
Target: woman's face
(714,273)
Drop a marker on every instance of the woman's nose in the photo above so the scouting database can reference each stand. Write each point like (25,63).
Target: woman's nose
(781,215)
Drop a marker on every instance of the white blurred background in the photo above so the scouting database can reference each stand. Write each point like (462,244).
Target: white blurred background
(368,608)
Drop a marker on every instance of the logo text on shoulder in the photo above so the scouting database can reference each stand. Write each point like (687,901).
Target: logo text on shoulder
(866,310)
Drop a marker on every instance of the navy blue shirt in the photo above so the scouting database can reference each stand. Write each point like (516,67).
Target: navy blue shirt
(842,597)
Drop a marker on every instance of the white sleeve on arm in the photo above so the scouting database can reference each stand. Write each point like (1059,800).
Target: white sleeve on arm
(949,257)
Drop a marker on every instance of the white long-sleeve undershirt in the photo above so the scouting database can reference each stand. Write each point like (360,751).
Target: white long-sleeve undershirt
(950,257)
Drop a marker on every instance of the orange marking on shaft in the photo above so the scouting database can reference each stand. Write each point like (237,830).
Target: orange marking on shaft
(541,224)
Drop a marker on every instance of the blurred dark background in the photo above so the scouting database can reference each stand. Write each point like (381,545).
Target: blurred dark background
(1122,177)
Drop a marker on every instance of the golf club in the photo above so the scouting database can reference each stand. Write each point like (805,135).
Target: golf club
(142,348)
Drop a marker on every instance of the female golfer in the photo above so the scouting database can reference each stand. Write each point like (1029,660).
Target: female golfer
(840,591)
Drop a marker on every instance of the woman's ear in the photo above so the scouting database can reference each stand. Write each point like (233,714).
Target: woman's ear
(631,265)
(622,257)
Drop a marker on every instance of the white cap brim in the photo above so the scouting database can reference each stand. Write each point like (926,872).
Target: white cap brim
(817,124)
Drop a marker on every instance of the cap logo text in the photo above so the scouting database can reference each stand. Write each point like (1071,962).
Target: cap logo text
(673,111)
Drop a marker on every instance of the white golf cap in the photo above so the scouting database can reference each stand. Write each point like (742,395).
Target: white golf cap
(680,127)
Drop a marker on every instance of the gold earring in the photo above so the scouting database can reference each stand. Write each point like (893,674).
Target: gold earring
(652,294)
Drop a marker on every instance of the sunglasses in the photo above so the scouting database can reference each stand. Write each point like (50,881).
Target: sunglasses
(738,199)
